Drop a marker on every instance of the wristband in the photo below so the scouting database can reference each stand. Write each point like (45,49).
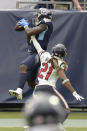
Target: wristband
(74,93)
(65,81)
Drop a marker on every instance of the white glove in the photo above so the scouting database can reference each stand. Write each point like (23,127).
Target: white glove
(77,96)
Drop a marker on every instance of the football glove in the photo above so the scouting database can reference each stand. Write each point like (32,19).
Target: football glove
(77,96)
(23,22)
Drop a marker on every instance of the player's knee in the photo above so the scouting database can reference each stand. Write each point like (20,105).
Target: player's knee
(23,68)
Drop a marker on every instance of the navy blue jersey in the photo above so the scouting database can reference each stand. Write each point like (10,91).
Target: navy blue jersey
(43,37)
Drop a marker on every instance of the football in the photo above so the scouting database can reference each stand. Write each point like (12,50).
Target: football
(18,27)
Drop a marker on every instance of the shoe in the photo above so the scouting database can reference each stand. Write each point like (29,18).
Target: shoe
(17,93)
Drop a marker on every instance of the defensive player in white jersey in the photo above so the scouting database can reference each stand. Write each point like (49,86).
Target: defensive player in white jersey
(53,67)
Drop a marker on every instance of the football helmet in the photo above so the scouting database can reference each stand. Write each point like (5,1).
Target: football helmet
(59,50)
(44,13)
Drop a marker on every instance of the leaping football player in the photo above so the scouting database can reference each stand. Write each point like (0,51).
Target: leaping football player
(29,67)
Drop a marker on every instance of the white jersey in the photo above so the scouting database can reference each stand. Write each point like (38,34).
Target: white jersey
(47,74)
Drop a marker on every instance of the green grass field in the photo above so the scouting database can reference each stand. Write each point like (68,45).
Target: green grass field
(19,115)
(12,129)
(21,129)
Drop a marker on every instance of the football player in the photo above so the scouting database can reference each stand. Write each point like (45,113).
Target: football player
(29,67)
(53,67)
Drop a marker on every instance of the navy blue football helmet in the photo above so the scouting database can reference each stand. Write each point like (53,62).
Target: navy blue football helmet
(59,50)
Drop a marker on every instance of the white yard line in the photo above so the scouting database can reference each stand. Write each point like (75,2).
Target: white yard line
(12,122)
(78,123)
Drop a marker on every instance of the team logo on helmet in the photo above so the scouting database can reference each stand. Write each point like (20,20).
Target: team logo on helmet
(44,13)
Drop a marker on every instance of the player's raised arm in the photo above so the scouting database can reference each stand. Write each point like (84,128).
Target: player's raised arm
(37,45)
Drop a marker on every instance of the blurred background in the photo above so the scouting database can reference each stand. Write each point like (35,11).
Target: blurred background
(58,4)
(8,4)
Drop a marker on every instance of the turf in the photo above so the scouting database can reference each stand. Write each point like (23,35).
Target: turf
(21,129)
(77,115)
(76,129)
(20,115)
(11,129)
(11,115)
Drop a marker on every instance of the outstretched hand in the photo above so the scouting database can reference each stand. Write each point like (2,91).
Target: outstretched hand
(77,96)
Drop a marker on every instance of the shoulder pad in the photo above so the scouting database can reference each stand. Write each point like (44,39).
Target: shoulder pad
(58,63)
(62,64)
